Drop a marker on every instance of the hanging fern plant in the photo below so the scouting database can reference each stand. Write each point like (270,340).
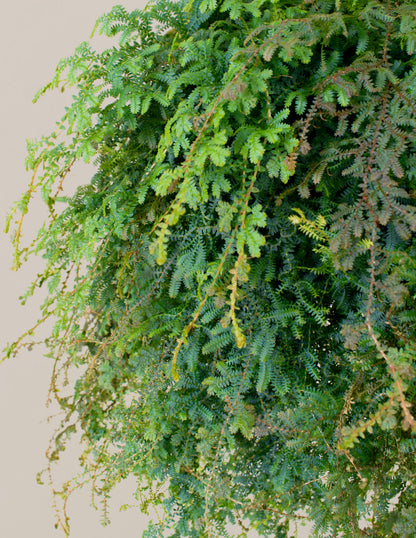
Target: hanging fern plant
(235,289)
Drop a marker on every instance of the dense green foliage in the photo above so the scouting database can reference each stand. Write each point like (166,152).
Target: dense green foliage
(236,286)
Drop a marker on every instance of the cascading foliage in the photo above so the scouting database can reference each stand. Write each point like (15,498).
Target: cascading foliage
(235,289)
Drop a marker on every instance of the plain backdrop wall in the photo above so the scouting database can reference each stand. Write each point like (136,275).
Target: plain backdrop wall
(35,35)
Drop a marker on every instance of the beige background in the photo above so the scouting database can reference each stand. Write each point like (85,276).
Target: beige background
(35,35)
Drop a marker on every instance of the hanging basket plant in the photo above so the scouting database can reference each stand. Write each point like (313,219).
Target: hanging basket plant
(235,287)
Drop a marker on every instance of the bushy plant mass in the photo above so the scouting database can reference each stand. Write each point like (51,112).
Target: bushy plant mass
(235,289)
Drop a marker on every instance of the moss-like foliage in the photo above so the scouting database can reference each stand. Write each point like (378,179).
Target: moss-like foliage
(235,289)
